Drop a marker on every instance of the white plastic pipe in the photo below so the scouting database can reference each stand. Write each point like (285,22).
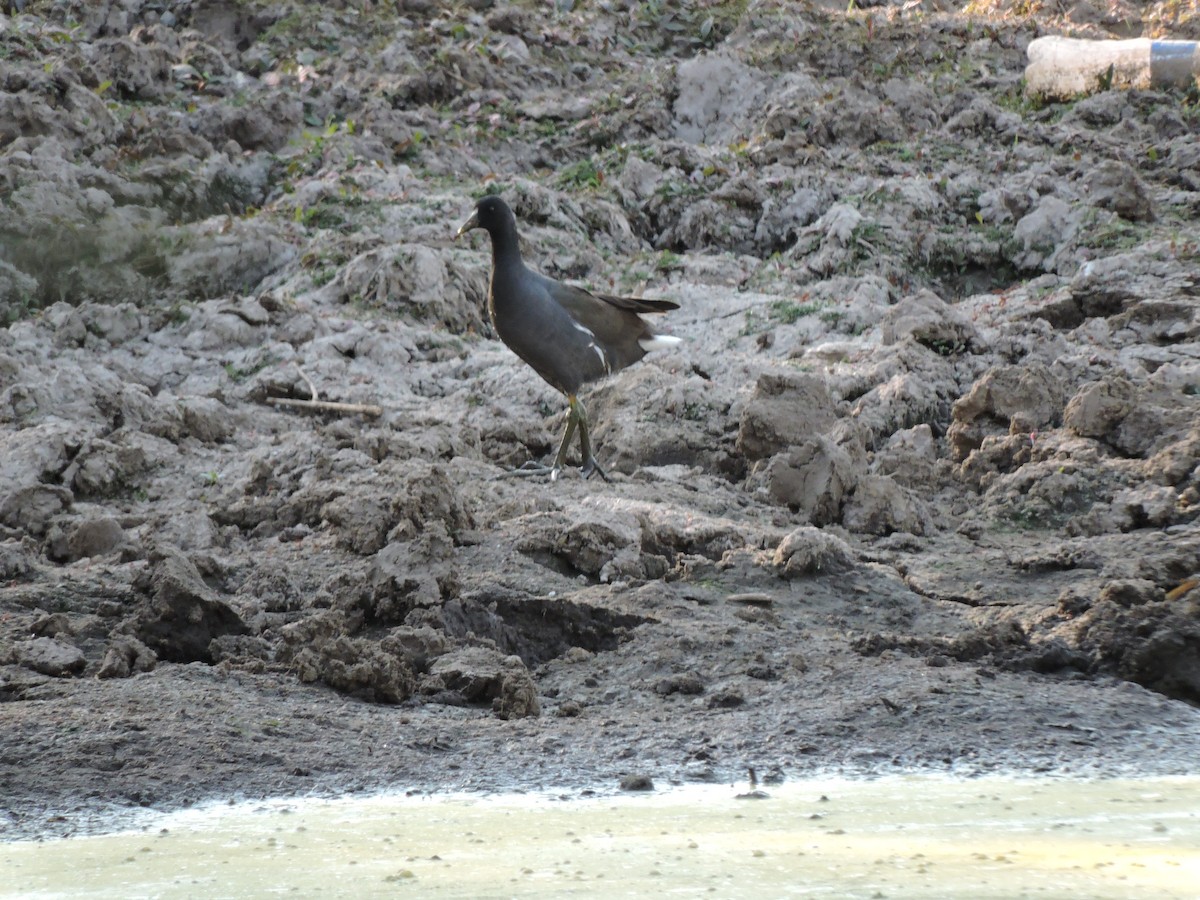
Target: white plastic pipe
(1060,68)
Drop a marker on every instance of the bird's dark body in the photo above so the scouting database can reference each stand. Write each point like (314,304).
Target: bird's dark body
(560,331)
(568,335)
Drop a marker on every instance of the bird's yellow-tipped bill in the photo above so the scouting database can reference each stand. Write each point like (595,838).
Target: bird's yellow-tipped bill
(472,222)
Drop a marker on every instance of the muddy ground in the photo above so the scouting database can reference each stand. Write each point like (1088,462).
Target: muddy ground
(919,491)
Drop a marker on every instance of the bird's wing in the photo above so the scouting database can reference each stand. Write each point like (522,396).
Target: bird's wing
(577,301)
(611,322)
(638,304)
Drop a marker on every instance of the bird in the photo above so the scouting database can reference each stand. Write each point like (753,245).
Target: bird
(568,335)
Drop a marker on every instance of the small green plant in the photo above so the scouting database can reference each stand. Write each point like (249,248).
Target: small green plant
(239,374)
(325,214)
(789,311)
(865,236)
(410,148)
(324,275)
(672,189)
(831,317)
(609,103)
(16,310)
(943,347)
(668,261)
(584,173)
(1116,234)
(177,314)
(492,188)
(1015,99)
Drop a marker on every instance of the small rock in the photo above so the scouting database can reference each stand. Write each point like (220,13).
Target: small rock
(785,410)
(1099,407)
(810,551)
(354,666)
(1039,233)
(50,656)
(52,625)
(479,674)
(31,508)
(1115,185)
(183,614)
(1031,394)
(813,477)
(206,419)
(881,506)
(931,322)
(1129,592)
(636,783)
(682,683)
(14,561)
(126,655)
(417,645)
(95,537)
(729,698)
(1145,505)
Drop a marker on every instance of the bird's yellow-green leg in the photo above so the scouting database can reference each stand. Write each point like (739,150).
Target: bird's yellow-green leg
(576,419)
(560,458)
(585,440)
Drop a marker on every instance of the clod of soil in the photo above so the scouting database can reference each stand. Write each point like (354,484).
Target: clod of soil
(918,490)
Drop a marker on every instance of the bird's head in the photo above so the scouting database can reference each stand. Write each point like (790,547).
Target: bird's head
(491,214)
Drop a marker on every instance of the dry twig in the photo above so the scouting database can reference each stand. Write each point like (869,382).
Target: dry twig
(367,409)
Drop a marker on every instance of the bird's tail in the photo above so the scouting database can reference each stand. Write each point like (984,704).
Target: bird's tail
(658,342)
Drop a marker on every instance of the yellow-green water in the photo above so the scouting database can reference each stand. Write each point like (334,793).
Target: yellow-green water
(889,838)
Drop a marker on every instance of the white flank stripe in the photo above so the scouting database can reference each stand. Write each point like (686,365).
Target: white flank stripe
(659,342)
(603,359)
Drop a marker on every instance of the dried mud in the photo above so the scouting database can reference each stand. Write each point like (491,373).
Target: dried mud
(919,490)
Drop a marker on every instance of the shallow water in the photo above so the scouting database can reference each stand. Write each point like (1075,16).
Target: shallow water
(891,837)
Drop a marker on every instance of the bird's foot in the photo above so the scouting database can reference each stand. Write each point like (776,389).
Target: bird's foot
(530,469)
(533,469)
(591,467)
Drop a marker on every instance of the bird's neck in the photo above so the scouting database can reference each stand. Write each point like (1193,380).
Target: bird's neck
(506,249)
(505,283)
(507,268)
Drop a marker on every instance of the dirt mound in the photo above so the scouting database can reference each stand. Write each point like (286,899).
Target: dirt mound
(919,488)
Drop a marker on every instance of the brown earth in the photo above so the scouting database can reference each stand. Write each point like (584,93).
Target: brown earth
(919,491)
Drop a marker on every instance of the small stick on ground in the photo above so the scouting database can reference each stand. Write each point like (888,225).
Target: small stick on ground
(312,388)
(366,409)
(315,403)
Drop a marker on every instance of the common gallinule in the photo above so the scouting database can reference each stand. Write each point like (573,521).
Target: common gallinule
(569,336)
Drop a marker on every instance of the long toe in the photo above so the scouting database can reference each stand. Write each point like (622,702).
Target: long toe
(591,467)
(530,469)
